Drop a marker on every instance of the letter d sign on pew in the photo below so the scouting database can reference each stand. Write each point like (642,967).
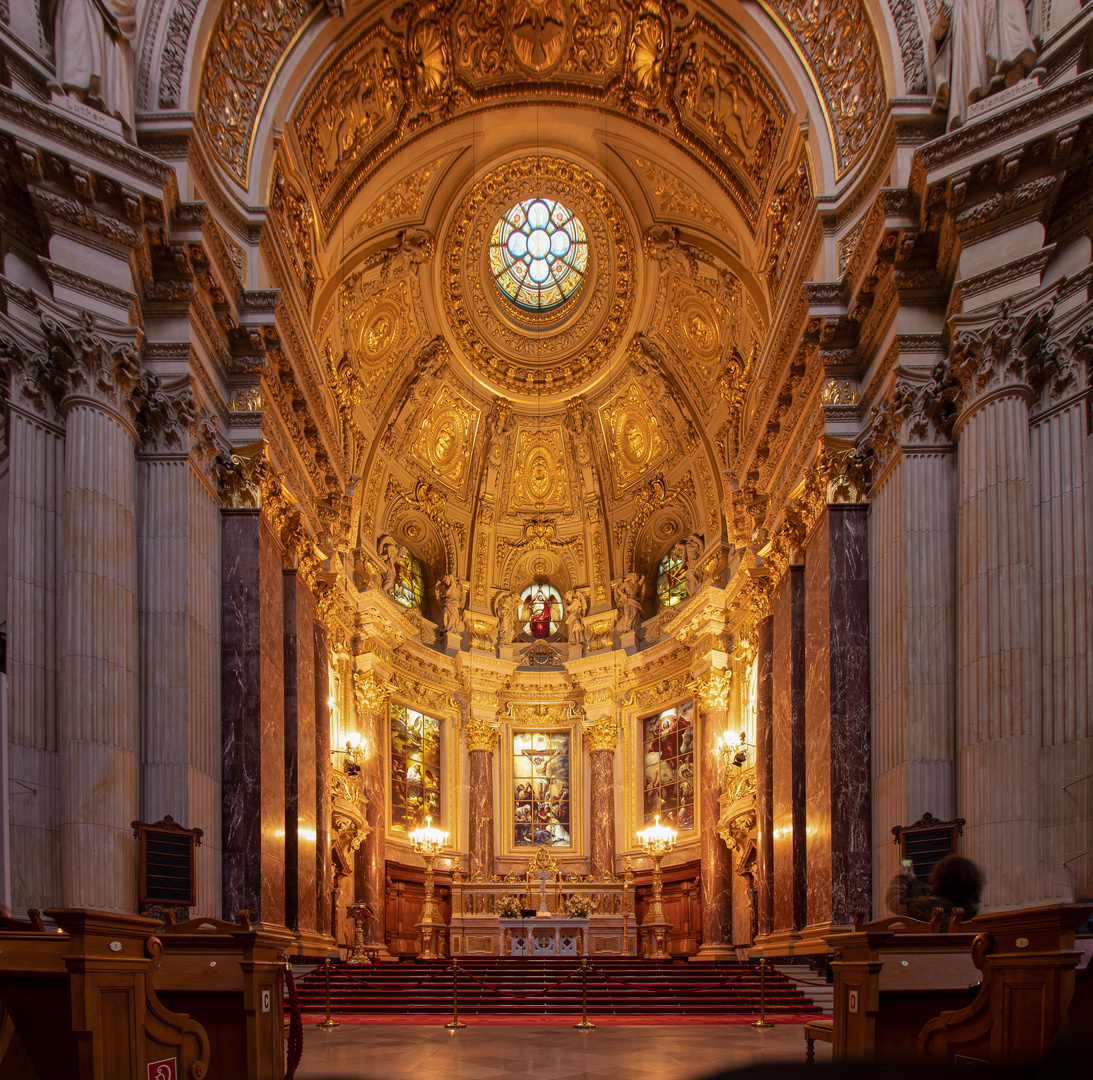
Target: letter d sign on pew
(162,1070)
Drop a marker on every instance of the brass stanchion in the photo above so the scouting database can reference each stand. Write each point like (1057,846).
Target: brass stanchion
(584,1025)
(762,1022)
(455,1025)
(327,1024)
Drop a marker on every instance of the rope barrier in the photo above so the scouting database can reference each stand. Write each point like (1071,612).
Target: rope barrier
(357,981)
(659,990)
(522,997)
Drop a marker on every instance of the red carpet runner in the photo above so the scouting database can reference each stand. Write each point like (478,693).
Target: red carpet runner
(617,987)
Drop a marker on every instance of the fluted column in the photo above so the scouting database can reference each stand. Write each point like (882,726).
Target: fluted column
(481,735)
(99,730)
(372,691)
(601,735)
(998,647)
(34,509)
(714,690)
(764,772)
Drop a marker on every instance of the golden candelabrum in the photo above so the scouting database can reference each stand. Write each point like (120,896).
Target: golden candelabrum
(656,842)
(358,912)
(428,843)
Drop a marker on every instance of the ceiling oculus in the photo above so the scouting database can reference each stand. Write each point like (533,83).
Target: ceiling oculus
(538,253)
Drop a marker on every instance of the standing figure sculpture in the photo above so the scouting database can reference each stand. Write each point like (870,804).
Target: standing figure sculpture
(628,593)
(977,46)
(93,48)
(693,574)
(390,551)
(575,607)
(450,594)
(505,609)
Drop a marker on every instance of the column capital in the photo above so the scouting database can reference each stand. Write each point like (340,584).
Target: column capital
(713,688)
(601,732)
(371,690)
(481,732)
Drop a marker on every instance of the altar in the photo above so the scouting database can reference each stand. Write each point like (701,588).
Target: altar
(544,937)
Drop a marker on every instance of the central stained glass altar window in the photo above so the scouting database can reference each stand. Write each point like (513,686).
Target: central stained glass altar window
(538,253)
(669,761)
(415,768)
(540,782)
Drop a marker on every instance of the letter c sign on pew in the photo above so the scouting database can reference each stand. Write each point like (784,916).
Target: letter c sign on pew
(162,1070)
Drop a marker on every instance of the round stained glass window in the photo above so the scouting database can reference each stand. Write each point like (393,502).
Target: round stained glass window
(538,254)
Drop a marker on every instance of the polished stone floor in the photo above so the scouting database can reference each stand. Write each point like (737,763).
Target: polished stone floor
(519,1052)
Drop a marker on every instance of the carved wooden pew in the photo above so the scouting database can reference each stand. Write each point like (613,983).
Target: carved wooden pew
(1027,958)
(891,976)
(230,978)
(81,1001)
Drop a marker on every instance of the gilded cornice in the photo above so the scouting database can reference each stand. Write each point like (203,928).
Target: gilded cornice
(542,713)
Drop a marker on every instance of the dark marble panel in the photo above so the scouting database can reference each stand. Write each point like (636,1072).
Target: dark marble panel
(782,756)
(324,879)
(292,736)
(306,913)
(481,811)
(370,864)
(602,811)
(764,707)
(797,745)
(716,867)
(818,798)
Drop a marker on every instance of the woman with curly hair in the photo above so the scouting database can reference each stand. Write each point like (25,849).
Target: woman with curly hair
(954,882)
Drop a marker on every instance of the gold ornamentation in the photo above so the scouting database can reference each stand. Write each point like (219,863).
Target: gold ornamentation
(370,694)
(538,532)
(714,690)
(602,733)
(294,219)
(674,197)
(599,567)
(662,692)
(568,346)
(481,734)
(540,29)
(482,632)
(835,392)
(599,632)
(539,475)
(632,432)
(542,713)
(430,58)
(447,436)
(423,695)
(399,202)
(246,399)
(246,44)
(645,53)
(651,498)
(481,553)
(784,216)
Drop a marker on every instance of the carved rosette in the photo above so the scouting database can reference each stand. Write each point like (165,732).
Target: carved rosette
(370,693)
(481,734)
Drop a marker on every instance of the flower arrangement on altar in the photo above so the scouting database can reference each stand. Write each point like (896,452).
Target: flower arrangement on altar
(508,907)
(579,906)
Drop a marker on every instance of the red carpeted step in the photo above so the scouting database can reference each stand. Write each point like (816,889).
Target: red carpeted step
(615,986)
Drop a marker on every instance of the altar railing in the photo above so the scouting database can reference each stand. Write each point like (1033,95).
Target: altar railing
(607,895)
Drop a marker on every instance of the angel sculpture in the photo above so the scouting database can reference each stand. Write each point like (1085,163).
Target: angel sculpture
(575,607)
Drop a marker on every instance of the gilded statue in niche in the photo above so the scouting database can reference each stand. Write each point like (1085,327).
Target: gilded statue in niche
(632,432)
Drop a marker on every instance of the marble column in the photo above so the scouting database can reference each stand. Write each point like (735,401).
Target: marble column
(178,560)
(764,772)
(253,703)
(370,865)
(324,871)
(998,648)
(34,508)
(714,697)
(789,752)
(837,715)
(98,719)
(300,826)
(481,808)
(601,736)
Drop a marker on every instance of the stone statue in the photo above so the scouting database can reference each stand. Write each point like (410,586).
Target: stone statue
(504,608)
(450,594)
(93,47)
(389,551)
(628,593)
(977,46)
(575,607)
(693,578)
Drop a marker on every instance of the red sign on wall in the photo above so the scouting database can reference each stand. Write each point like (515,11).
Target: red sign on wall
(162,1070)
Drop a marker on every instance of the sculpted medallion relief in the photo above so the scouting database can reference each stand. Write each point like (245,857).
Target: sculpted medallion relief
(633,434)
(552,351)
(539,474)
(446,439)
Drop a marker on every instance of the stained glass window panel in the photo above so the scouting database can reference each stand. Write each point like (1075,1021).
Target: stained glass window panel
(672,578)
(409,586)
(540,784)
(538,253)
(668,762)
(415,768)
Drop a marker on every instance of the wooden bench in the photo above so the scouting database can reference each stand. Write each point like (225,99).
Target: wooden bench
(230,978)
(891,976)
(817,1030)
(1028,960)
(81,1002)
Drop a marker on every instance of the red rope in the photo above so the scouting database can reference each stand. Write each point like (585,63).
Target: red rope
(295,1025)
(522,997)
(355,981)
(660,989)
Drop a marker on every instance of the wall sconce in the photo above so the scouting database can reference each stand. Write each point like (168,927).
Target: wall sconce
(353,753)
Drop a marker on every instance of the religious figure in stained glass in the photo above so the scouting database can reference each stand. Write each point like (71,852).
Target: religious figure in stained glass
(540,611)
(408,587)
(672,577)
(541,804)
(668,760)
(415,768)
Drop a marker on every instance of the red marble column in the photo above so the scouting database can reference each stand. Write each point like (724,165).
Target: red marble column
(764,773)
(602,809)
(300,804)
(837,715)
(788,745)
(716,859)
(481,810)
(252,701)
(324,879)
(370,864)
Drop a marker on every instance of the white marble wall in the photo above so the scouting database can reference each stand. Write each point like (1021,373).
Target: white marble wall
(912,599)
(178,555)
(1062,472)
(98,721)
(998,650)
(34,505)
